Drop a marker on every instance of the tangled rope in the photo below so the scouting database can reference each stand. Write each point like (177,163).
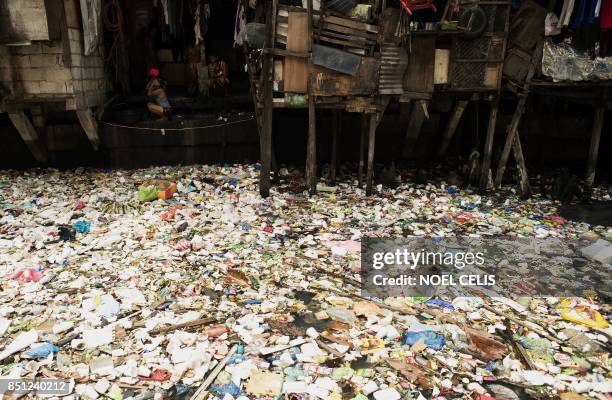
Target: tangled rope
(112,19)
(112,24)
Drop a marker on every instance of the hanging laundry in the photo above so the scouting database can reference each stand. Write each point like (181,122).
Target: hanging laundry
(566,13)
(164,5)
(591,12)
(605,21)
(239,25)
(196,28)
(578,15)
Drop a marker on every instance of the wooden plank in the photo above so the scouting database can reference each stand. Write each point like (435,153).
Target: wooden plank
(344,42)
(348,31)
(442,57)
(598,119)
(488,149)
(449,132)
(419,76)
(201,393)
(349,38)
(296,69)
(29,135)
(349,23)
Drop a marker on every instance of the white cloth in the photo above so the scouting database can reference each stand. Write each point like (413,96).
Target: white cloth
(566,13)
(239,25)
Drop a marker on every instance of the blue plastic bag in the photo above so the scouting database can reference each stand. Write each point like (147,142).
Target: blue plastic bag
(42,351)
(440,303)
(222,390)
(431,338)
(82,226)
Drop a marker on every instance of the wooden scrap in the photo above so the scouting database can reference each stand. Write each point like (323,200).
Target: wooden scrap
(184,325)
(200,393)
(238,277)
(486,344)
(328,348)
(412,372)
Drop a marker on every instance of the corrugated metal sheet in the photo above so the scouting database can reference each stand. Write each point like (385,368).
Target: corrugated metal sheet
(392,68)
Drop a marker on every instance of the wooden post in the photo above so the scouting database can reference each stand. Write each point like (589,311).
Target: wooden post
(362,148)
(517,149)
(371,143)
(90,126)
(29,135)
(449,132)
(417,117)
(336,126)
(311,154)
(258,111)
(598,119)
(265,139)
(488,149)
(512,132)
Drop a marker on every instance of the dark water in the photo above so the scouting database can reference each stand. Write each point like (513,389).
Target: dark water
(597,213)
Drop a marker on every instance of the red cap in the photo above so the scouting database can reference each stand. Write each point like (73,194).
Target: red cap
(153,72)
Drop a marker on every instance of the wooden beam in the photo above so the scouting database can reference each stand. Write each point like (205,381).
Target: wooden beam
(90,126)
(511,133)
(417,117)
(28,134)
(458,109)
(258,111)
(371,143)
(362,148)
(488,148)
(375,120)
(598,119)
(311,152)
(517,150)
(265,139)
(336,127)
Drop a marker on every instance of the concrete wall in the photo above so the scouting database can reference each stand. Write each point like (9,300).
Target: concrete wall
(38,69)
(47,70)
(88,79)
(16,18)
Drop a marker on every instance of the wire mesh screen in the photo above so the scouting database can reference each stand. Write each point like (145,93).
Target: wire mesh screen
(471,56)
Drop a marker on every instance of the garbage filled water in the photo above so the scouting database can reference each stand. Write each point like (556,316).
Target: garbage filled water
(183,282)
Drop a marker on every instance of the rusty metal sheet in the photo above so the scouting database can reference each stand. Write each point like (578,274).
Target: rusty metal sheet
(331,83)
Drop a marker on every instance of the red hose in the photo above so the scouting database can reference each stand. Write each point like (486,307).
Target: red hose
(115,25)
